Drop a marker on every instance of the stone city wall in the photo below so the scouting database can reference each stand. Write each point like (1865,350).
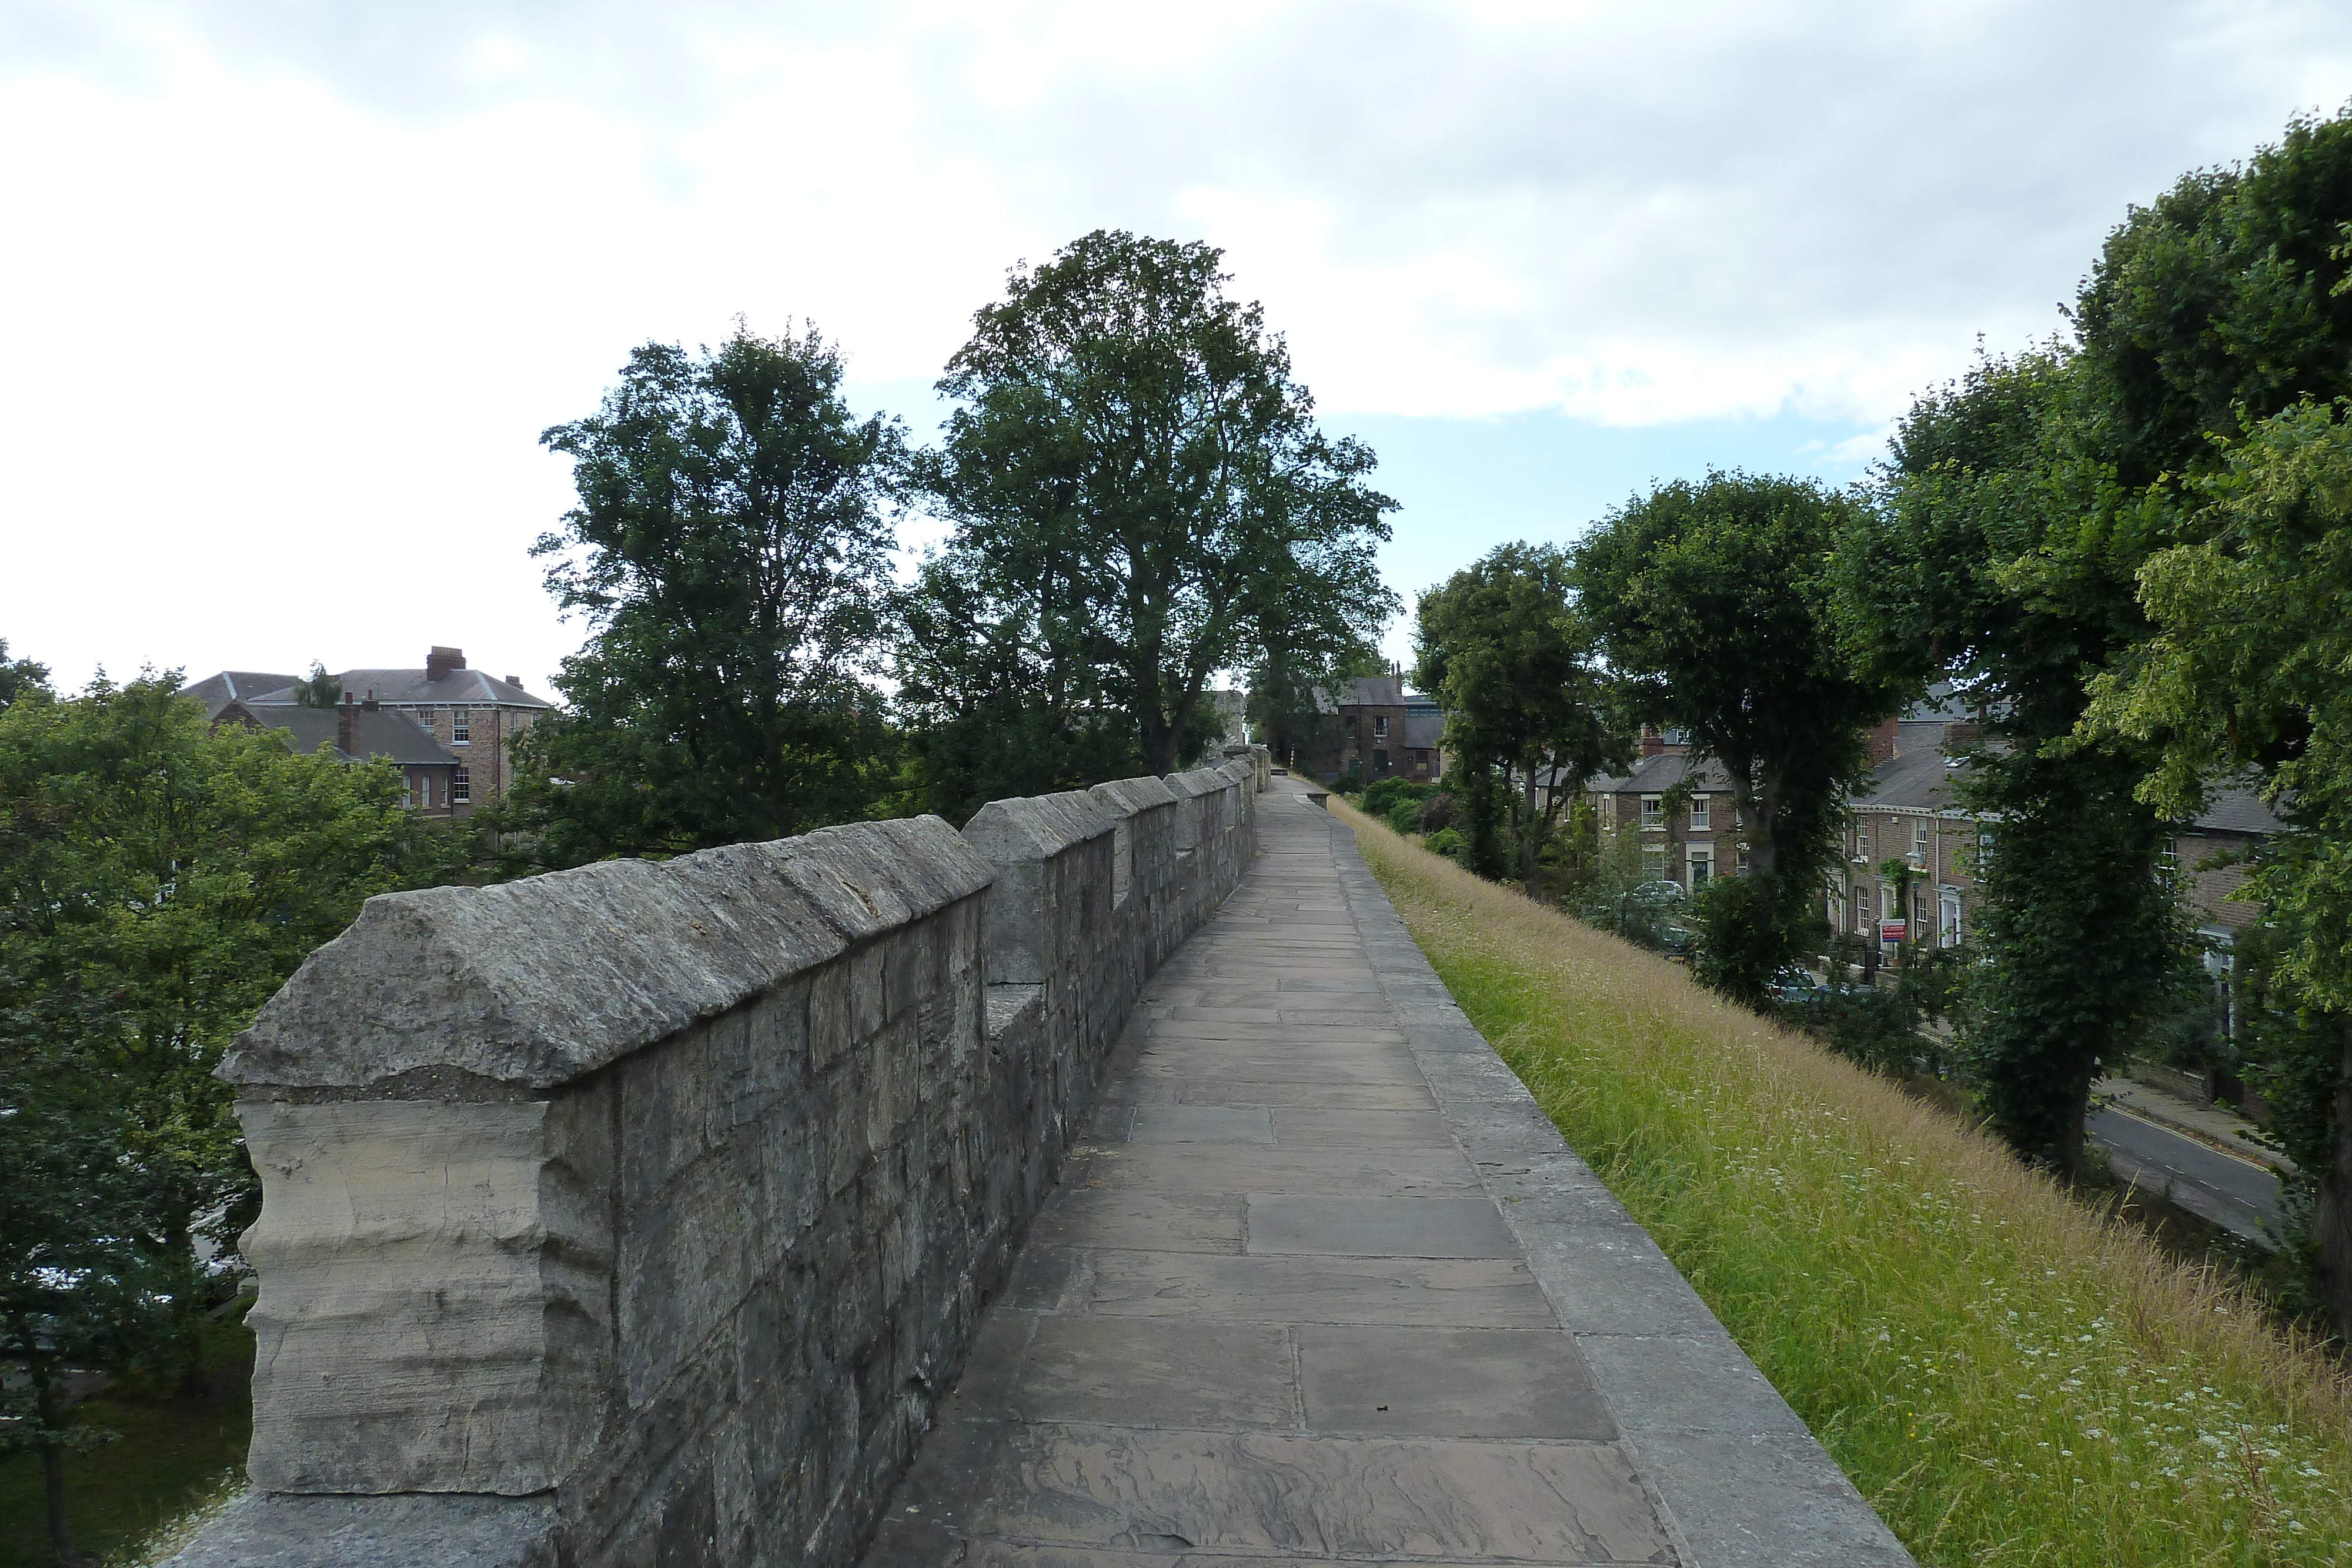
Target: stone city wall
(640,1213)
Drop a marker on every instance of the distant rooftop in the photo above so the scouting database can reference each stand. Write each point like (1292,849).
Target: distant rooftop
(444,680)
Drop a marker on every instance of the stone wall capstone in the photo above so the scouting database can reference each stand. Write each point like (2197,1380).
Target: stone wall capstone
(641,1213)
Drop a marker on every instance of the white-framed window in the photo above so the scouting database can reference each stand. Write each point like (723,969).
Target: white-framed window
(1919,841)
(1380,726)
(459,721)
(1947,917)
(1654,864)
(1702,865)
(424,791)
(423,717)
(1743,859)
(1653,811)
(407,790)
(461,788)
(1702,818)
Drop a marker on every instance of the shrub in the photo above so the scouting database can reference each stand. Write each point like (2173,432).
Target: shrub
(1381,797)
(1740,937)
(1437,812)
(1405,815)
(1446,841)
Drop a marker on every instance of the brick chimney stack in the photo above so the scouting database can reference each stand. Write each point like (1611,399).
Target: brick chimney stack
(345,712)
(1883,747)
(440,662)
(1654,741)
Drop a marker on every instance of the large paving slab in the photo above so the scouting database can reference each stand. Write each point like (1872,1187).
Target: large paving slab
(1323,1284)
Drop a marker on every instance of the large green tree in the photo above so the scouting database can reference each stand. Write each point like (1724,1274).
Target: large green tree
(1716,602)
(732,554)
(2246,677)
(159,878)
(1142,496)
(1516,665)
(2019,505)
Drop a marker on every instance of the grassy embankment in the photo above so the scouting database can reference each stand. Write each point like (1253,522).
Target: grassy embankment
(2010,1379)
(173,1455)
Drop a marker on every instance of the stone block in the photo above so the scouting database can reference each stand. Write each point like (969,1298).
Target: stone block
(543,980)
(432,1315)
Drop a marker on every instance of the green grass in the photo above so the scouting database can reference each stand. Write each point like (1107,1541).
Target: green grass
(2008,1378)
(173,1455)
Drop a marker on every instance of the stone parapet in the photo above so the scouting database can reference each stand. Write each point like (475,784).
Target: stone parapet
(642,1212)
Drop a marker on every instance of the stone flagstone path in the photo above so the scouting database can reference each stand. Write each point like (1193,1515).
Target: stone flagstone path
(1324,1284)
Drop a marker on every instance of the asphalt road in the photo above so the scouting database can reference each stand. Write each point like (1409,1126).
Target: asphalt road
(2228,1191)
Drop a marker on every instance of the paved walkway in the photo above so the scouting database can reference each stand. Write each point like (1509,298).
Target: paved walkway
(1324,1284)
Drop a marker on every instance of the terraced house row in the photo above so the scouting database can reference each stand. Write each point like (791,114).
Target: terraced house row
(1908,812)
(444,727)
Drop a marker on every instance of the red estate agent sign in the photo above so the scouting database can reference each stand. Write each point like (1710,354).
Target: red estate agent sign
(1892,930)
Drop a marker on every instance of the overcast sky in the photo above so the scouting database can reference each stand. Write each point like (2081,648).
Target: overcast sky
(291,287)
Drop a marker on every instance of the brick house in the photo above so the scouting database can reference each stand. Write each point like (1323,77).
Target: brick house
(1909,810)
(471,718)
(1388,731)
(1906,811)
(1686,840)
(363,732)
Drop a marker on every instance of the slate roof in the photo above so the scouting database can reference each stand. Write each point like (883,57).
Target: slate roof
(1423,731)
(217,692)
(374,734)
(1919,777)
(456,686)
(1656,774)
(2236,808)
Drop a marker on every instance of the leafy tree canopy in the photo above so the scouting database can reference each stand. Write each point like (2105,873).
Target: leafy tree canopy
(1142,499)
(319,688)
(159,878)
(1716,602)
(19,677)
(730,551)
(1524,686)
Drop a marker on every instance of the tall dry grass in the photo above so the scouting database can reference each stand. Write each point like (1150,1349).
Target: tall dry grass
(2010,1378)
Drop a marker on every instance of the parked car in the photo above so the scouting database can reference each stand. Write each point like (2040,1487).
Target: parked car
(1796,985)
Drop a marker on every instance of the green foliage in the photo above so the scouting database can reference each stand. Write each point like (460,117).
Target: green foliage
(2243,677)
(1383,796)
(1716,602)
(1437,810)
(1405,815)
(1524,687)
(1616,892)
(731,552)
(1446,841)
(1142,497)
(992,707)
(159,879)
(319,689)
(2042,511)
(1740,936)
(20,677)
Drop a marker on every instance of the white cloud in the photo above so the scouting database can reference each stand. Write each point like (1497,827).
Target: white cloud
(293,286)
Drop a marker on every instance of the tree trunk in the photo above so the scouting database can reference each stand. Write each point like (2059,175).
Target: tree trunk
(52,1458)
(2331,1220)
(1527,837)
